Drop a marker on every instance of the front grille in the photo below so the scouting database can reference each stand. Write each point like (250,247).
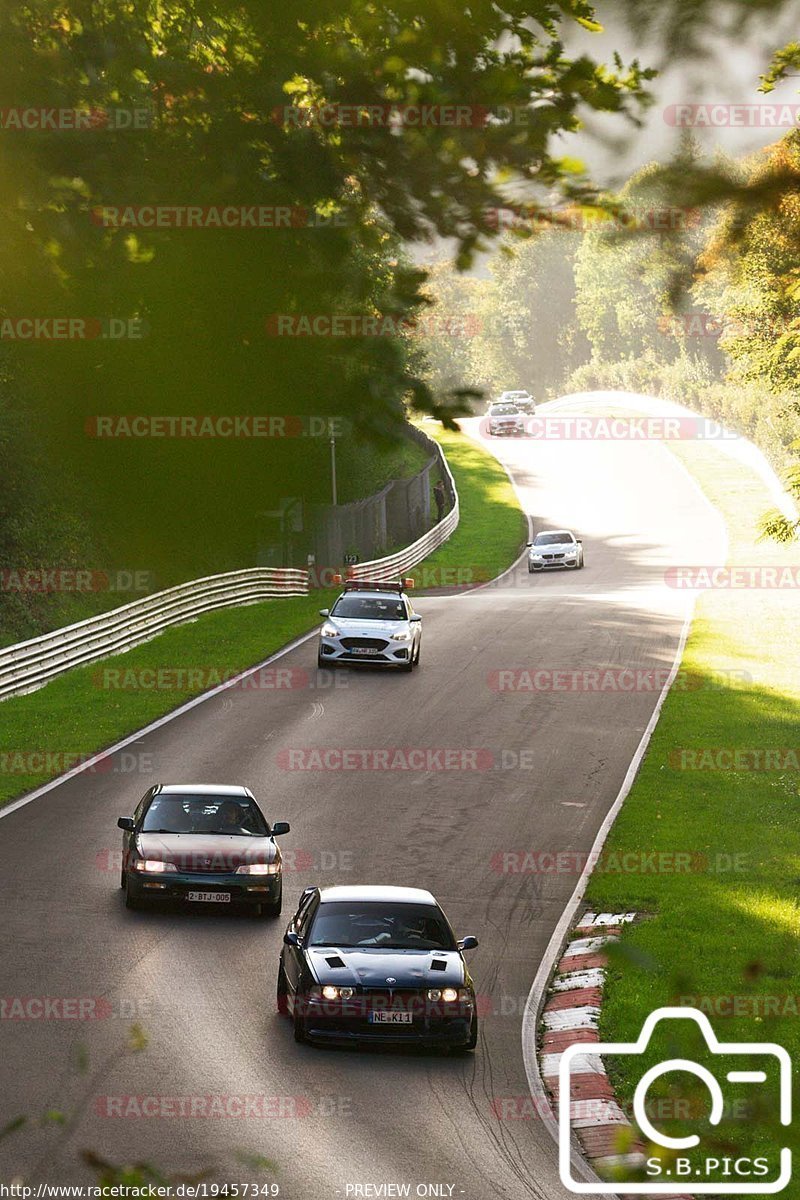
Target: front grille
(552,557)
(398,999)
(199,864)
(351,643)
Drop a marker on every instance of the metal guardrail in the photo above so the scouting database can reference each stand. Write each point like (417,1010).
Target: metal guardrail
(411,556)
(27,665)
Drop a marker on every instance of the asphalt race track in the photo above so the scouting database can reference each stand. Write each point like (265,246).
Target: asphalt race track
(203,984)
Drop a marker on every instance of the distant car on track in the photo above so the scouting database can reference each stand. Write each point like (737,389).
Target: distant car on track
(522,400)
(376,964)
(201,844)
(554,548)
(504,420)
(371,622)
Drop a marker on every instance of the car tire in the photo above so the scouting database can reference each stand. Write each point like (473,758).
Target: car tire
(323,663)
(473,1034)
(122,878)
(282,998)
(530,569)
(132,902)
(299,1026)
(580,564)
(271,908)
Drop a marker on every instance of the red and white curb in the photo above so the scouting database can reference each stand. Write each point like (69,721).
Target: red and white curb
(571,1014)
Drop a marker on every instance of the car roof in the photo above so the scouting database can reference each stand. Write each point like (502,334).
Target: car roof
(375,593)
(204,789)
(376,893)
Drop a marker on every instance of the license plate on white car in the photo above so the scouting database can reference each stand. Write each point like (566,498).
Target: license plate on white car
(364,650)
(390,1018)
(211,897)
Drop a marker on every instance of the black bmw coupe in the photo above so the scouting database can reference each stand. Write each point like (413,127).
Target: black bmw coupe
(376,964)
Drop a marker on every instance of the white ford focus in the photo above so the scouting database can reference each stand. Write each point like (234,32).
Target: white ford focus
(371,622)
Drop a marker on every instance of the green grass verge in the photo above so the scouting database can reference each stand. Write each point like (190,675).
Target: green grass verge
(492,529)
(725,933)
(84,711)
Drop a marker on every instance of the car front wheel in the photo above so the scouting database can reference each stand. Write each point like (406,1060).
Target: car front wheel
(131,901)
(473,1033)
(271,908)
(299,1023)
(283,992)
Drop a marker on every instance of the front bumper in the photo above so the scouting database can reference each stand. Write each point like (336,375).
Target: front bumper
(506,430)
(347,1023)
(247,890)
(391,654)
(571,563)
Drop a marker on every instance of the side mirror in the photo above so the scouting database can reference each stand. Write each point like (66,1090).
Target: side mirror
(125,823)
(290,938)
(579,541)
(529,543)
(468,943)
(280,827)
(415,617)
(324,612)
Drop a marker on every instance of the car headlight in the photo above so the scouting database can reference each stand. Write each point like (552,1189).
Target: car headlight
(449,995)
(536,557)
(571,553)
(154,866)
(330,992)
(403,636)
(330,631)
(272,868)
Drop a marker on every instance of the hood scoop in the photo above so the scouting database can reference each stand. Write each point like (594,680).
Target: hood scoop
(438,965)
(334,961)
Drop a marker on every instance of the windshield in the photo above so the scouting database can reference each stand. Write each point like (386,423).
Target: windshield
(370,608)
(233,815)
(512,396)
(503,410)
(552,539)
(388,926)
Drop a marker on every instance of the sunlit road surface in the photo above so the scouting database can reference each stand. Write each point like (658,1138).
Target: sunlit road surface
(203,984)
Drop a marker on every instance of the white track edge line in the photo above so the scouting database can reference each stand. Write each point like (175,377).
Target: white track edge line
(551,955)
(152,727)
